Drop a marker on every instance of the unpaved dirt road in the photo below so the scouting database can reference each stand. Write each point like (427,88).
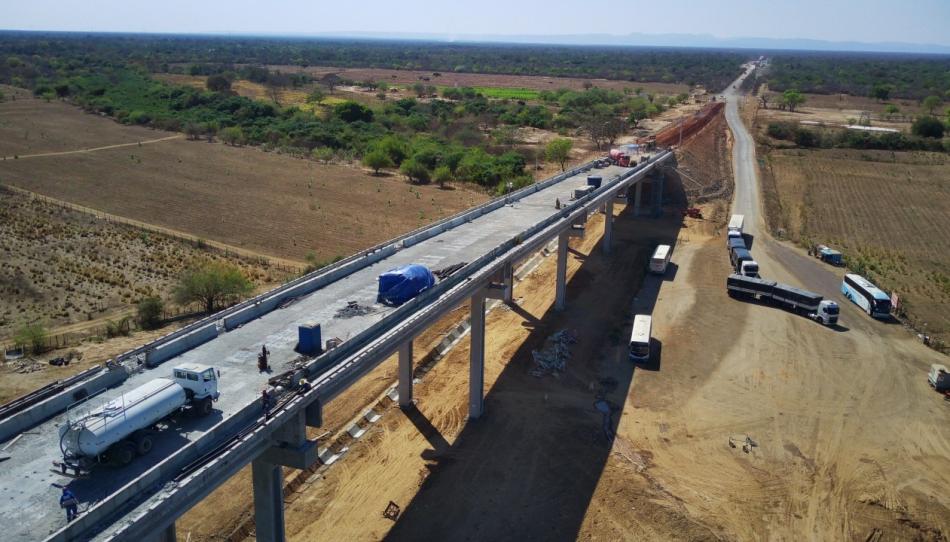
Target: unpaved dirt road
(94,149)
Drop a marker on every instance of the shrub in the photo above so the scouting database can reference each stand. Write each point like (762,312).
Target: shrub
(377,160)
(928,127)
(415,171)
(149,314)
(32,336)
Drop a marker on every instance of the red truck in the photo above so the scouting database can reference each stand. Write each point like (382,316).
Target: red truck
(619,158)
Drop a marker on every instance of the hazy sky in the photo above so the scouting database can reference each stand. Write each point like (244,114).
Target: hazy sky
(916,21)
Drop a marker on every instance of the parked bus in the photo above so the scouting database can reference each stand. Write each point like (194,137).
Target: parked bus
(660,259)
(866,295)
(640,338)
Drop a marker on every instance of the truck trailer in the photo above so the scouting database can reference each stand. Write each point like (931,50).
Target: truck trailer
(735,225)
(821,310)
(742,262)
(122,428)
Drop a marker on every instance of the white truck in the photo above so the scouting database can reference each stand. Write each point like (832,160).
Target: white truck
(735,226)
(812,305)
(939,377)
(122,428)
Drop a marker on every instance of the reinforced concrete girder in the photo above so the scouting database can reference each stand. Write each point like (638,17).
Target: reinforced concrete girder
(268,482)
(560,298)
(608,225)
(405,374)
(291,447)
(476,378)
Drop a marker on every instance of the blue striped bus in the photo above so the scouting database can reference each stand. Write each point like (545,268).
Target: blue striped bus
(866,295)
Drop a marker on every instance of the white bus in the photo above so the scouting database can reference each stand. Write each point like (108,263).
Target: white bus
(866,295)
(640,338)
(660,259)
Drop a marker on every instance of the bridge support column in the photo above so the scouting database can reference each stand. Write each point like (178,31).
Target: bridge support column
(268,479)
(608,225)
(508,277)
(405,374)
(168,534)
(638,190)
(560,298)
(476,377)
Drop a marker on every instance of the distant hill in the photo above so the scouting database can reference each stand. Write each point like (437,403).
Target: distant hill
(665,40)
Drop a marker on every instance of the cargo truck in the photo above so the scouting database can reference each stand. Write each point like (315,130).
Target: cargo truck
(735,226)
(122,428)
(742,262)
(823,311)
(939,378)
(620,158)
(828,255)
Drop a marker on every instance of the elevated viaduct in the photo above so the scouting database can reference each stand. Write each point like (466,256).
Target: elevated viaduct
(193,457)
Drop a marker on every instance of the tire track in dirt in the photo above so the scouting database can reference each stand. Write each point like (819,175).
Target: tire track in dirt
(93,149)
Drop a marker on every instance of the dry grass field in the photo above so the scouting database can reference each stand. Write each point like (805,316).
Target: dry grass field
(889,210)
(63,267)
(241,196)
(844,109)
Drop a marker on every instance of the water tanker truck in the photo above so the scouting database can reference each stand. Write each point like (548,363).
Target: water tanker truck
(619,157)
(121,429)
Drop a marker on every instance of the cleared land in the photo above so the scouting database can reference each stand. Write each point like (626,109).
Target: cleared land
(446,79)
(844,109)
(65,267)
(888,211)
(244,197)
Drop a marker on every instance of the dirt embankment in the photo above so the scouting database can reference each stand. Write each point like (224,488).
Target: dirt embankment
(703,164)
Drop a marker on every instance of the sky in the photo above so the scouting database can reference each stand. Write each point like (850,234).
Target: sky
(913,21)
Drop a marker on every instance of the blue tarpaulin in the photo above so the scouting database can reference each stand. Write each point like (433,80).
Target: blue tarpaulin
(399,285)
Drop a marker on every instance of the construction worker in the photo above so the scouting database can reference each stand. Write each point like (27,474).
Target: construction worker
(262,363)
(265,403)
(557,203)
(69,501)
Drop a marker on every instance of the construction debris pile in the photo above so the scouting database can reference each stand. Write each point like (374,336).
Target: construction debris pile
(552,358)
(27,365)
(445,272)
(353,308)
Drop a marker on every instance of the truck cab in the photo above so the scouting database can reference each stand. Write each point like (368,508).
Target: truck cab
(827,313)
(199,381)
(749,268)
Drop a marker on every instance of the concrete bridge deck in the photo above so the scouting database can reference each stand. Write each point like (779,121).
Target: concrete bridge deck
(29,503)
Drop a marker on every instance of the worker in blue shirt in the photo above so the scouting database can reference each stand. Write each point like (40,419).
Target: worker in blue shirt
(69,501)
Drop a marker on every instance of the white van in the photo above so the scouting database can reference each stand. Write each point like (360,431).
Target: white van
(660,259)
(640,338)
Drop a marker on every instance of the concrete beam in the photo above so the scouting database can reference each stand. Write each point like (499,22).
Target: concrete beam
(476,378)
(405,374)
(560,299)
(268,481)
(608,225)
(636,198)
(291,447)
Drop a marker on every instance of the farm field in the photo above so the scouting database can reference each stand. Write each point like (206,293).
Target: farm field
(887,211)
(65,267)
(484,80)
(264,202)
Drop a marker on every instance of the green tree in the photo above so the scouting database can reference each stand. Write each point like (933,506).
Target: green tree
(927,127)
(881,92)
(890,110)
(218,83)
(442,175)
(350,111)
(194,130)
(149,312)
(316,96)
(376,160)
(232,135)
(32,336)
(792,99)
(930,103)
(415,171)
(212,284)
(558,150)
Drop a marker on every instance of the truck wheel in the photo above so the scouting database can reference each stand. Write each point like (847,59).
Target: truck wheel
(204,407)
(143,444)
(122,453)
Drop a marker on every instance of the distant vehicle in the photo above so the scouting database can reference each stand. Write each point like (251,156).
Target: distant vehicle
(619,158)
(866,295)
(660,259)
(823,311)
(121,429)
(742,262)
(939,377)
(640,337)
(594,180)
(735,225)
(828,255)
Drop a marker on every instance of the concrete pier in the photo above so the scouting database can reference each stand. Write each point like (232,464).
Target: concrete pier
(638,191)
(508,277)
(560,299)
(608,225)
(268,482)
(476,379)
(405,375)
